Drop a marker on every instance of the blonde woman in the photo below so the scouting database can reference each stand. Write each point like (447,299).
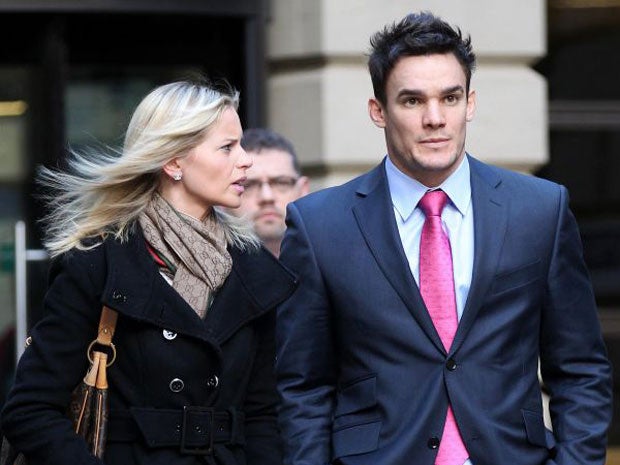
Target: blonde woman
(140,232)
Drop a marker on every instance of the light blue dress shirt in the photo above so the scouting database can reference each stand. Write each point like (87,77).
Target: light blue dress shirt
(457,219)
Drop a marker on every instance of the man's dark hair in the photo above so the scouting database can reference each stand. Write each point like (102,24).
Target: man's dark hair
(257,139)
(416,34)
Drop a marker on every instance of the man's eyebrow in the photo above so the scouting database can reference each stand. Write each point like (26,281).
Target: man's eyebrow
(418,93)
(410,93)
(453,90)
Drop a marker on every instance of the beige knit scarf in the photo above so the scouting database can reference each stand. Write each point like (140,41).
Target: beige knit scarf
(197,249)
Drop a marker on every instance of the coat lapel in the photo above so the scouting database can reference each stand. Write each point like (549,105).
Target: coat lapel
(134,287)
(256,285)
(490,220)
(374,215)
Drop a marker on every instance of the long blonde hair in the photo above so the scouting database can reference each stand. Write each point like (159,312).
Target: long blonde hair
(102,194)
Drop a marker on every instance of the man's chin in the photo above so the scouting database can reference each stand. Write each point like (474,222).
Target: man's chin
(269,233)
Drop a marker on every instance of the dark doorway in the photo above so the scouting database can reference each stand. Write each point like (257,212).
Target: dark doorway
(583,72)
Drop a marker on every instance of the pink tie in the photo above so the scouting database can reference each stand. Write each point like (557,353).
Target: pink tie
(437,289)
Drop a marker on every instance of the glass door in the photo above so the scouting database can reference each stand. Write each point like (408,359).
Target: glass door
(15,113)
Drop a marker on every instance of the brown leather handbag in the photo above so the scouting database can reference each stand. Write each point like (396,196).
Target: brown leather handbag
(88,408)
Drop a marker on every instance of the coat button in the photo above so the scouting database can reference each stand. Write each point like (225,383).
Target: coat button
(117,296)
(213,381)
(451,364)
(433,443)
(169,335)
(177,385)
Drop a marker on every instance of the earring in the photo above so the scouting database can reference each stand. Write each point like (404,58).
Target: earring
(177,176)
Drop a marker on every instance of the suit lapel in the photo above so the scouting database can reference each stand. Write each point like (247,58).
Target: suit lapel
(490,219)
(374,215)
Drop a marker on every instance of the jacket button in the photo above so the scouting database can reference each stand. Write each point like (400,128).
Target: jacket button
(451,364)
(213,381)
(169,335)
(177,385)
(433,443)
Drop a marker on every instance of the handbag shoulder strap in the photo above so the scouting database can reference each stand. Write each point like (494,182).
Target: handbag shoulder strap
(107,326)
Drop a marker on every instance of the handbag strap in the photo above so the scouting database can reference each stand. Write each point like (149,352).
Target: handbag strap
(107,326)
(105,333)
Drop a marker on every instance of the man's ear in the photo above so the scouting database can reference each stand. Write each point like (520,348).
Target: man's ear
(376,112)
(471,106)
(304,185)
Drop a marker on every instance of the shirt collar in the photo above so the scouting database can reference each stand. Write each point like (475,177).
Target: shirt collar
(406,192)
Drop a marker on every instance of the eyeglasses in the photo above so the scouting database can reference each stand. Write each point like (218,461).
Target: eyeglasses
(280,184)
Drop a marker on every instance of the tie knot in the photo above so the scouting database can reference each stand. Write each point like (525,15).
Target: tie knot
(432,202)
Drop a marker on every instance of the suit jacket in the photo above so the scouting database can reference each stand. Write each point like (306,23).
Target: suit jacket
(362,372)
(168,358)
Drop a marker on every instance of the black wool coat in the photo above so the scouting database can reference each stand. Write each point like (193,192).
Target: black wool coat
(167,359)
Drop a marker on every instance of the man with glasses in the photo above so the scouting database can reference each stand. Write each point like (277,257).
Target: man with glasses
(273,181)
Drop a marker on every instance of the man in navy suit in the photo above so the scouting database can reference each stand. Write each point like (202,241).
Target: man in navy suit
(365,371)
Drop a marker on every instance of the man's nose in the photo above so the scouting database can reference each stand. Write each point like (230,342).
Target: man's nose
(433,115)
(265,192)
